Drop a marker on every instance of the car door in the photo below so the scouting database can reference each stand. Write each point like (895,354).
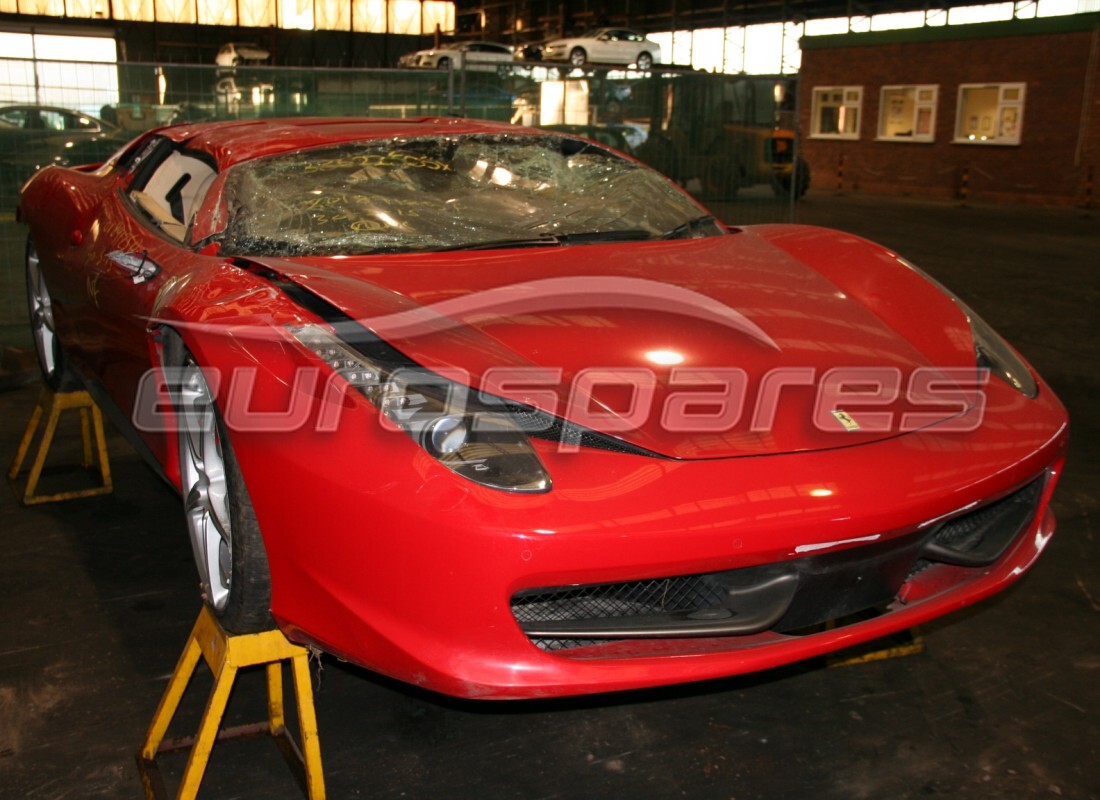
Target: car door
(491,56)
(140,251)
(627,45)
(633,45)
(598,47)
(83,222)
(476,58)
(462,57)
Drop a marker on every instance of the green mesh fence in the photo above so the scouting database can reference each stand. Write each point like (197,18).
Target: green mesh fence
(727,139)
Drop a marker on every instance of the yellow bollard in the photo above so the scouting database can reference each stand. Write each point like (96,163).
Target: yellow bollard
(225,654)
(964,188)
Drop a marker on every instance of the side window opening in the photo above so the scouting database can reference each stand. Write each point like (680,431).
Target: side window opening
(174,196)
(174,191)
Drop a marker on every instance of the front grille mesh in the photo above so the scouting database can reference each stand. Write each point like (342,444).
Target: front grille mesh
(661,595)
(635,598)
(967,532)
(707,591)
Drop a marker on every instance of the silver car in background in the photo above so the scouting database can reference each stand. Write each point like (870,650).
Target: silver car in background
(474,56)
(604,46)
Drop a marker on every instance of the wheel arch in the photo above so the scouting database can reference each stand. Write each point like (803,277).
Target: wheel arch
(168,340)
(166,348)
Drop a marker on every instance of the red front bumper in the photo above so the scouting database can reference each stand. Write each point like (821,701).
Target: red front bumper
(381,556)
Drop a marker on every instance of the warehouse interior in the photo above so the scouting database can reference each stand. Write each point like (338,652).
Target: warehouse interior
(963,136)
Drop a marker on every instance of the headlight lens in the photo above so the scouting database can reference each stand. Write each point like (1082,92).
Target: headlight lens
(451,422)
(992,351)
(995,355)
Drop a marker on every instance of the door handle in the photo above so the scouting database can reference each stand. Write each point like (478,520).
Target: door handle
(139,265)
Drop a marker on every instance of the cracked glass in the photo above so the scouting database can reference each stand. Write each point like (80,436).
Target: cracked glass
(450,192)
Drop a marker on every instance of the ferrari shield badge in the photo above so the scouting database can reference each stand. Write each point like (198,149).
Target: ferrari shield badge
(845,419)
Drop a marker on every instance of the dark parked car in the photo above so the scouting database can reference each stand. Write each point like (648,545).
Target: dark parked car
(32,137)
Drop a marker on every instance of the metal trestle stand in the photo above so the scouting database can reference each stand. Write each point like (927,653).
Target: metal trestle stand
(49,407)
(225,654)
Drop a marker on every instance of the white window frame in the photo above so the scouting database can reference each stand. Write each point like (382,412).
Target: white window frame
(851,101)
(1004,126)
(922,122)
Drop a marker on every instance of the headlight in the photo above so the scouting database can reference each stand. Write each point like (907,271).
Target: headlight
(995,355)
(991,351)
(451,422)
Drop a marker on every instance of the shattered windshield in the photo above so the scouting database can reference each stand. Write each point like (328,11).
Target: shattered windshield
(449,192)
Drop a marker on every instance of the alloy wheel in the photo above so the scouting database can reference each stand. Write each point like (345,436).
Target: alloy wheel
(41,311)
(205,487)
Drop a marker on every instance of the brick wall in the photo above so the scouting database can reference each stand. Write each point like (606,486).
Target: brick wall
(1060,132)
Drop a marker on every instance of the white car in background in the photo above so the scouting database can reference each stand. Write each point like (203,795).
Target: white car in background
(604,46)
(235,54)
(236,83)
(474,56)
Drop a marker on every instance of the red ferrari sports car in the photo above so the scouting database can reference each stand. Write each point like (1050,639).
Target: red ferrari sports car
(506,414)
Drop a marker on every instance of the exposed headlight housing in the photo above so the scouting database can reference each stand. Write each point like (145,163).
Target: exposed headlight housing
(995,354)
(991,351)
(462,429)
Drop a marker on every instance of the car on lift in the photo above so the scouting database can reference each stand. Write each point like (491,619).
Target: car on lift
(237,54)
(241,78)
(471,56)
(604,46)
(506,414)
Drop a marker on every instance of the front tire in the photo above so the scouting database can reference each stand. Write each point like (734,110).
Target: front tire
(578,57)
(797,181)
(221,522)
(444,64)
(645,61)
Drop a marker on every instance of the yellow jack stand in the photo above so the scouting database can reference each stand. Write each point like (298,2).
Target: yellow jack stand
(225,654)
(51,405)
(898,645)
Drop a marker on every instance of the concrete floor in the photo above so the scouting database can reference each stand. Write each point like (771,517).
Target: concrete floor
(98,597)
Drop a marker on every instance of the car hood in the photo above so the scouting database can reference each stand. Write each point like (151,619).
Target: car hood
(718,347)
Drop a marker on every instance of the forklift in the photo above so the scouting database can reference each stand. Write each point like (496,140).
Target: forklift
(716,134)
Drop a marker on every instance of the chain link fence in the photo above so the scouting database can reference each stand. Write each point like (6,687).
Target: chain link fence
(727,139)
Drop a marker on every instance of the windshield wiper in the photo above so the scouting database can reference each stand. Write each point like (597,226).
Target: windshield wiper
(255,245)
(688,228)
(555,240)
(591,237)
